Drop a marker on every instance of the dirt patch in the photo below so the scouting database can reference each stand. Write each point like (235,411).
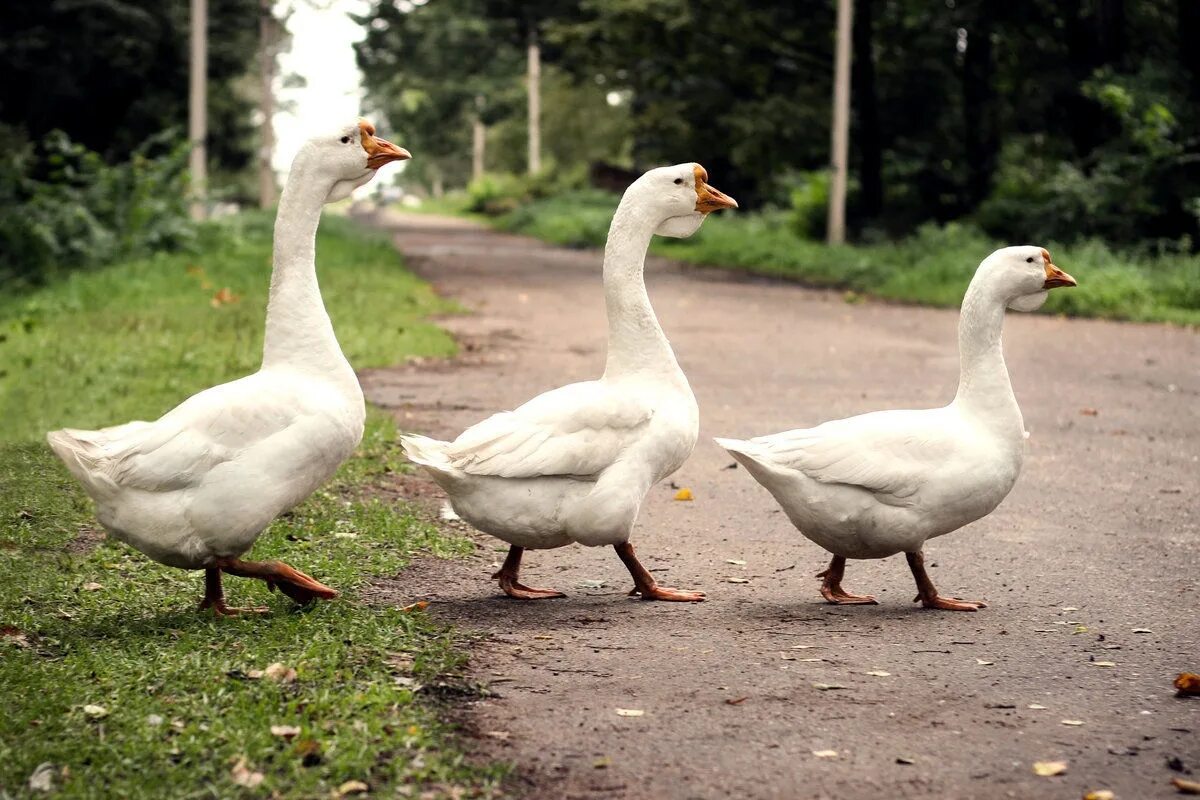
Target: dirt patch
(1091,561)
(85,541)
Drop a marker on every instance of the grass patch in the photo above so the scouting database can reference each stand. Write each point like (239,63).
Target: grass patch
(109,628)
(933,267)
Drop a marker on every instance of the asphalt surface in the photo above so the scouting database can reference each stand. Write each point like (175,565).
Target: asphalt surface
(1090,568)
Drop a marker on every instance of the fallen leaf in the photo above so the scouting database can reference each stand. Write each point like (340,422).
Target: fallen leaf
(279,673)
(1103,663)
(630,712)
(1075,723)
(604,762)
(42,778)
(91,586)
(420,605)
(1188,684)
(501,735)
(591,584)
(878,673)
(904,760)
(352,787)
(737,562)
(1089,412)
(825,753)
(736,701)
(810,659)
(1186,786)
(1036,707)
(684,494)
(807,647)
(285,731)
(984,663)
(224,296)
(543,636)
(1069,608)
(95,712)
(253,674)
(1100,794)
(244,776)
(154,720)
(1048,769)
(825,687)
(737,580)
(1142,630)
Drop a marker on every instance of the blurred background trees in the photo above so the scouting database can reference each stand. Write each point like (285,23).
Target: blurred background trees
(1028,118)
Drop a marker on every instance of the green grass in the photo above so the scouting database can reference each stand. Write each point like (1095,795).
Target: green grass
(108,627)
(932,267)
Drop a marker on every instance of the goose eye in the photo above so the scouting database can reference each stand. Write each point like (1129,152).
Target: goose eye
(1029,260)
(678,181)
(346,140)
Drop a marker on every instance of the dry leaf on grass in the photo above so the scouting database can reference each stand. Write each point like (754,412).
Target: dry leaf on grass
(630,712)
(825,753)
(224,296)
(280,673)
(1186,786)
(1048,769)
(42,778)
(244,776)
(285,731)
(684,494)
(420,605)
(1188,684)
(352,787)
(95,712)
(91,586)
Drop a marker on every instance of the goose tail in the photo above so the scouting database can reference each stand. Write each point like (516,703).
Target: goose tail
(430,454)
(81,453)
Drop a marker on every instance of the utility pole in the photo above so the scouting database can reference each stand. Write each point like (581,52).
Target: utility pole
(535,104)
(478,139)
(197,108)
(835,233)
(266,60)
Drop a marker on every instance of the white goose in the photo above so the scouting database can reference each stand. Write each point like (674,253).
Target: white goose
(195,488)
(575,463)
(878,484)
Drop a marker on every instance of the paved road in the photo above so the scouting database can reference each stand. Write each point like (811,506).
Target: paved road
(1093,559)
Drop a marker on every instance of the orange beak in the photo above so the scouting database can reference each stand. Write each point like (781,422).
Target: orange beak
(379,151)
(1055,277)
(708,198)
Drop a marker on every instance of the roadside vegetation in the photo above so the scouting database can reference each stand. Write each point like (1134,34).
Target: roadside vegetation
(114,684)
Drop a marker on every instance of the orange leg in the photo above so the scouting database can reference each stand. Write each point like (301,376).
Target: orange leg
(644,583)
(929,596)
(831,587)
(292,582)
(214,597)
(512,587)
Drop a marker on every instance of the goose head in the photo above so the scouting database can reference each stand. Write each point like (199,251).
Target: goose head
(1021,277)
(676,199)
(347,157)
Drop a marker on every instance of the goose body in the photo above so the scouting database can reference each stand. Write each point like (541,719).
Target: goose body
(195,488)
(573,465)
(883,483)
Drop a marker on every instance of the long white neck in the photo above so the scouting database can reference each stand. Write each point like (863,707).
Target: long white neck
(636,343)
(299,334)
(983,384)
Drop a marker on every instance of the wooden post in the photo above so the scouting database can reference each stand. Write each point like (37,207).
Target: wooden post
(197,108)
(478,140)
(835,233)
(535,104)
(266,104)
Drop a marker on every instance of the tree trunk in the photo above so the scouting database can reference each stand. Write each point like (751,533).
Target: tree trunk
(1188,31)
(835,232)
(866,104)
(980,134)
(198,108)
(535,103)
(266,104)
(478,140)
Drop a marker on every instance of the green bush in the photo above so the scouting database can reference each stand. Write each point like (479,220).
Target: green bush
(810,204)
(62,208)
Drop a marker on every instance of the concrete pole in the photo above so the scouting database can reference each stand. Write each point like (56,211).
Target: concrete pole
(839,151)
(535,105)
(197,108)
(266,58)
